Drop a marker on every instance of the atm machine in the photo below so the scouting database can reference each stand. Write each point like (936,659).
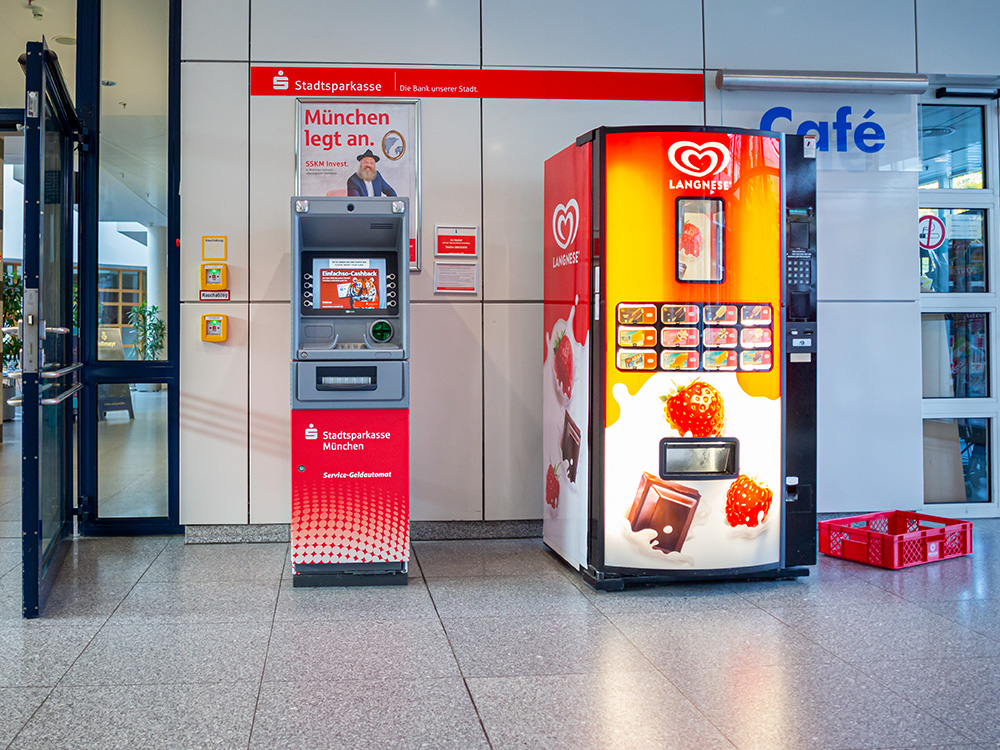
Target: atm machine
(350,391)
(679,384)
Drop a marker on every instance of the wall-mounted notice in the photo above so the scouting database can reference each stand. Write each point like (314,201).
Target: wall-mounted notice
(213,248)
(456,278)
(459,241)
(361,149)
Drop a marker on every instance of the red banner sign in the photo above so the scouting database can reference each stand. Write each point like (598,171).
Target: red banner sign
(474,82)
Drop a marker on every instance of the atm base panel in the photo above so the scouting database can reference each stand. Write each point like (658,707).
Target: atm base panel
(315,576)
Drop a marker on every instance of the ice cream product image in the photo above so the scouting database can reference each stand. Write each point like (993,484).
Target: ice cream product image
(666,507)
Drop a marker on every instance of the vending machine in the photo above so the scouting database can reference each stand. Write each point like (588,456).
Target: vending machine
(680,355)
(350,391)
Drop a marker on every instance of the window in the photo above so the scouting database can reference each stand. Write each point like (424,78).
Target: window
(957,215)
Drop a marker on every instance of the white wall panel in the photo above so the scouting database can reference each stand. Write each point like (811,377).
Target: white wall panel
(270,421)
(958,39)
(217,30)
(442,32)
(451,179)
(214,169)
(862,250)
(518,136)
(592,33)
(446,412)
(214,404)
(810,35)
(869,445)
(512,375)
(272,184)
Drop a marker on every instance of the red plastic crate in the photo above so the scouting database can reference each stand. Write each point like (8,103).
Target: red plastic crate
(895,539)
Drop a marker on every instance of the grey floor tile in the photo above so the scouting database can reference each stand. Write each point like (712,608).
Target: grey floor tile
(172,654)
(110,560)
(143,717)
(507,596)
(196,602)
(717,638)
(326,651)
(508,646)
(980,615)
(815,592)
(478,558)
(809,706)
(218,562)
(10,554)
(370,715)
(11,510)
(16,707)
(858,632)
(32,656)
(670,598)
(638,711)
(946,580)
(960,692)
(357,604)
(69,603)
(10,529)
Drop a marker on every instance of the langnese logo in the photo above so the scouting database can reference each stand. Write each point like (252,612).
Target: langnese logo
(699,160)
(280,81)
(565,222)
(311,432)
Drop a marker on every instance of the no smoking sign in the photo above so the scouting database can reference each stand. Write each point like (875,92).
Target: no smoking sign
(931,233)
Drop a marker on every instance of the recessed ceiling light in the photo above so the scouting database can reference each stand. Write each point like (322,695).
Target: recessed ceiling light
(108,83)
(69,40)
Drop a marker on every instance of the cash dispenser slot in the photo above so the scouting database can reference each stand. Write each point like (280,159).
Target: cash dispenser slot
(699,458)
(346,378)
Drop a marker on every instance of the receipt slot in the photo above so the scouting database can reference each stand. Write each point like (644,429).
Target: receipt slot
(350,391)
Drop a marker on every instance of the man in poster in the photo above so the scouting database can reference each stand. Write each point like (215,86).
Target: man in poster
(367,181)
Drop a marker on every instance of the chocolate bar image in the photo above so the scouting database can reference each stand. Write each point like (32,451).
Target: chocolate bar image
(570,446)
(666,507)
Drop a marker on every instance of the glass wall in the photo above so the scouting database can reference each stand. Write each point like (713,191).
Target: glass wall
(955,223)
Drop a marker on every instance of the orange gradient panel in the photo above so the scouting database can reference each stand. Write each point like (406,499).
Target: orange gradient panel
(643,185)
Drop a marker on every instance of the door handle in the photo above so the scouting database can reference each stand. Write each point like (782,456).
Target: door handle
(62,396)
(51,374)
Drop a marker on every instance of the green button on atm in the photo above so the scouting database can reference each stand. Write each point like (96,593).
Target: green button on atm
(381,330)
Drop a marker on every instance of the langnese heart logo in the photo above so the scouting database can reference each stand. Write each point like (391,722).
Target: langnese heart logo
(699,160)
(565,222)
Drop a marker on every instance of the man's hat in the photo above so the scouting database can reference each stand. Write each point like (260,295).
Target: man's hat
(367,153)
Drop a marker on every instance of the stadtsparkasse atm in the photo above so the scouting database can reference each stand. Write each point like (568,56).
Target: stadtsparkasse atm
(350,392)
(680,355)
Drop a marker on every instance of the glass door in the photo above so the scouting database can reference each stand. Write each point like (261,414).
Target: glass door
(49,362)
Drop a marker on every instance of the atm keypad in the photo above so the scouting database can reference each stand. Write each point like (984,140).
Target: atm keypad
(799,271)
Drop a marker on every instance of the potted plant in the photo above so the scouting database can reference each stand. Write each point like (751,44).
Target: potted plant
(12,297)
(150,336)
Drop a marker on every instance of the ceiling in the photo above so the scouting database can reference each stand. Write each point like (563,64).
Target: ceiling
(133,146)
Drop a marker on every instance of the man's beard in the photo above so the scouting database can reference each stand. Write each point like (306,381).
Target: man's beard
(367,174)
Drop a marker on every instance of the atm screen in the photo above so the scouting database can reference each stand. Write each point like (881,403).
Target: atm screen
(349,283)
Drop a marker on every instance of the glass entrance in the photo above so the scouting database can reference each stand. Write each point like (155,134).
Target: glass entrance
(49,362)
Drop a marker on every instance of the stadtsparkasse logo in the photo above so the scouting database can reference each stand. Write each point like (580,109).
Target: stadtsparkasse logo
(699,160)
(565,222)
(311,432)
(280,81)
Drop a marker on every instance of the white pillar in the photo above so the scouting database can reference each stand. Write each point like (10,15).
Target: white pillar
(156,271)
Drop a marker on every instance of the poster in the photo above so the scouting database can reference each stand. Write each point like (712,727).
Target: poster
(361,149)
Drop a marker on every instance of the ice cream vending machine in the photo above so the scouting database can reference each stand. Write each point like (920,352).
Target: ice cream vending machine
(350,391)
(680,354)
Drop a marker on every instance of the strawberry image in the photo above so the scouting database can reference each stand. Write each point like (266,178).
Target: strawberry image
(563,364)
(696,408)
(747,502)
(691,240)
(552,487)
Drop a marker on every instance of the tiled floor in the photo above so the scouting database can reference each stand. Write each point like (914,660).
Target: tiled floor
(151,643)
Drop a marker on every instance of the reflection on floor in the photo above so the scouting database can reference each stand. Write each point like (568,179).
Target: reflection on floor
(155,644)
(132,459)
